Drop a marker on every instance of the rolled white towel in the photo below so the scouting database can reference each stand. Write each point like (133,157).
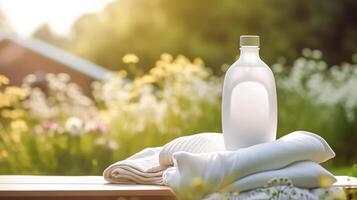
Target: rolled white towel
(147,166)
(305,174)
(219,169)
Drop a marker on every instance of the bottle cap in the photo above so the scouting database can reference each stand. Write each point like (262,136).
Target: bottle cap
(249,40)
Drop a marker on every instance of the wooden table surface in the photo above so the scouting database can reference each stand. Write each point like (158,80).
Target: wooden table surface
(78,188)
(94,187)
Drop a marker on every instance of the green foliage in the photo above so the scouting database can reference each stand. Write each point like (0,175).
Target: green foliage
(210,29)
(65,132)
(319,99)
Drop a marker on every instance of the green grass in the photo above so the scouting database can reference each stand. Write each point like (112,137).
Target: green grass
(67,133)
(344,170)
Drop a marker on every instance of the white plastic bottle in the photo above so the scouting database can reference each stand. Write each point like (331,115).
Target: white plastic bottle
(249,104)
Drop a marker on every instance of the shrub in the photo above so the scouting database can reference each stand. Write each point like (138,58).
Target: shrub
(62,131)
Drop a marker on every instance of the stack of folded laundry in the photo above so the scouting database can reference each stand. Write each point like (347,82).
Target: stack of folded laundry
(197,166)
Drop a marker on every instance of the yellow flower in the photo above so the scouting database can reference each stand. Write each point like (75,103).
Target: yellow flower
(16,91)
(166,57)
(15,136)
(13,114)
(3,80)
(157,72)
(130,58)
(5,100)
(235,193)
(198,61)
(122,73)
(175,68)
(148,79)
(325,181)
(160,64)
(198,183)
(137,82)
(3,154)
(19,125)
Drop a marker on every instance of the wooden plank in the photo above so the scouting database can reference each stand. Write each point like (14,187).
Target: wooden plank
(346,182)
(95,187)
(75,186)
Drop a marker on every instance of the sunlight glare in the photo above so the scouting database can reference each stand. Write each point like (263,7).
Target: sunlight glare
(26,16)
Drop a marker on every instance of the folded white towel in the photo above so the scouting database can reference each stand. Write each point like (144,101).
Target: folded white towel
(147,166)
(219,169)
(199,143)
(142,168)
(305,174)
(294,156)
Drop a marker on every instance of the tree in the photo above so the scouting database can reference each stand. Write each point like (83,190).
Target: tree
(210,29)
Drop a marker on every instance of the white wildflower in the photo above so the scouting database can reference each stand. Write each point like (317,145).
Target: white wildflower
(74,126)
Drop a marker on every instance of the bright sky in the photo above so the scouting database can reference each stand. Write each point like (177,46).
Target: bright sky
(25,16)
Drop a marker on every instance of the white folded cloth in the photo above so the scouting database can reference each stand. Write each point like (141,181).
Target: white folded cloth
(147,166)
(199,143)
(142,168)
(304,174)
(219,169)
(198,164)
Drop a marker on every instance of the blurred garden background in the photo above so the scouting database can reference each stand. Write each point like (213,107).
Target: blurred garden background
(164,63)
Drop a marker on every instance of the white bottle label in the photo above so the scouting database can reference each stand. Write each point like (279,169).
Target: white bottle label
(249,112)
